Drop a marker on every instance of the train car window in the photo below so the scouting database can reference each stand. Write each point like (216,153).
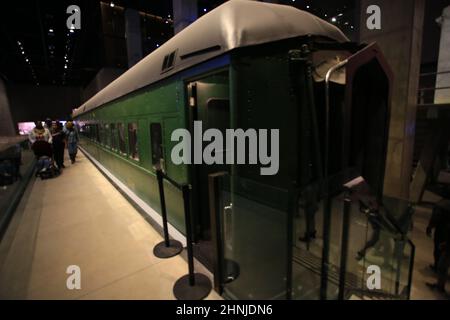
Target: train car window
(113,136)
(107,136)
(96,133)
(132,141)
(82,129)
(101,133)
(156,140)
(122,144)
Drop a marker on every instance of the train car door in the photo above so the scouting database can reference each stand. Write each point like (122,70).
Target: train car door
(208,103)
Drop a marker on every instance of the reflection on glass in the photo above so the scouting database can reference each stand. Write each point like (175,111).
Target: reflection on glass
(122,145)
(255,240)
(132,141)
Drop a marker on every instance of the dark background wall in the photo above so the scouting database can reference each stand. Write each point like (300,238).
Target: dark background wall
(6,125)
(30,102)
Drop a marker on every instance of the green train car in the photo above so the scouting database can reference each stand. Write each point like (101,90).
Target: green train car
(252,65)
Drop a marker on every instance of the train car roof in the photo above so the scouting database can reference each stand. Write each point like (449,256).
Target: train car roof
(234,24)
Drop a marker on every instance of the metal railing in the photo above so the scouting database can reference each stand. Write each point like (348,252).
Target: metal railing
(426,95)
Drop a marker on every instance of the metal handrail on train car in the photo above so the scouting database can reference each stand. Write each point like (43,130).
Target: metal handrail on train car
(327,203)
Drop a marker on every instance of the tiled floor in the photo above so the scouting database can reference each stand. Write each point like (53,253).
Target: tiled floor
(80,219)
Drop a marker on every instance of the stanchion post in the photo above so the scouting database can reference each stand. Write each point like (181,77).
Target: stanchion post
(167,248)
(193,286)
(344,246)
(190,251)
(159,177)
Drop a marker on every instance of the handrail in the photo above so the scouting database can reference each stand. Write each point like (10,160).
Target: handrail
(369,293)
(179,186)
(433,73)
(330,72)
(327,203)
(431,89)
(411,267)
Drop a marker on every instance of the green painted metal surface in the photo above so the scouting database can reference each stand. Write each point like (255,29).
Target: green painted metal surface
(163,104)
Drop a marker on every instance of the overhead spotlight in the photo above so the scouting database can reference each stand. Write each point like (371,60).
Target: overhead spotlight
(307,7)
(71,31)
(65,66)
(334,19)
(50,30)
(204,9)
(111,4)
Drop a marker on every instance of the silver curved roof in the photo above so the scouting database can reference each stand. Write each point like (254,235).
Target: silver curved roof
(234,24)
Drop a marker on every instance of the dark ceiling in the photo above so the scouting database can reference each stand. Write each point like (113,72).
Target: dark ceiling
(36,45)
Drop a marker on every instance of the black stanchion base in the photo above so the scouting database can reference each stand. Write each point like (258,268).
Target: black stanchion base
(232,271)
(163,252)
(184,291)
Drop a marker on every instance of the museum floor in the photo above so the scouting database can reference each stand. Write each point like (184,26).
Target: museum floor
(81,219)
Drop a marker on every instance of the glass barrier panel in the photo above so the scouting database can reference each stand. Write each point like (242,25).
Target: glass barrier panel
(254,232)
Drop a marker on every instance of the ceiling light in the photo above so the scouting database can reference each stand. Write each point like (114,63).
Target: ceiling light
(111,4)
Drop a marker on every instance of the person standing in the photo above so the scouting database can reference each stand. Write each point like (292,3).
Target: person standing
(72,140)
(40,133)
(48,124)
(58,143)
(436,223)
